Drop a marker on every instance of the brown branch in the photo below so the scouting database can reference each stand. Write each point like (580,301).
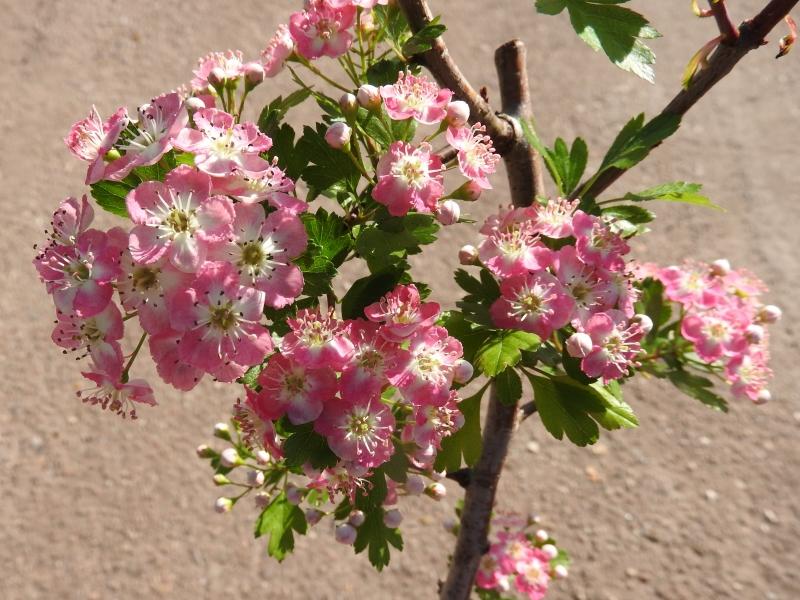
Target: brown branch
(726,27)
(751,35)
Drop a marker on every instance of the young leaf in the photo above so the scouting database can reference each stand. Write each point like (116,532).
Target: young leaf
(676,191)
(502,350)
(699,388)
(422,41)
(328,244)
(633,214)
(279,520)
(110,195)
(636,140)
(466,442)
(367,290)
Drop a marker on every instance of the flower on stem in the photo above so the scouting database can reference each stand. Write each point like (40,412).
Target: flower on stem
(226,67)
(91,138)
(512,246)
(70,220)
(271,185)
(615,345)
(429,374)
(590,287)
(278,49)
(554,219)
(321,30)
(97,336)
(318,340)
(534,302)
(477,158)
(415,97)
(403,313)
(165,350)
(596,243)
(110,392)
(409,178)
(716,333)
(373,357)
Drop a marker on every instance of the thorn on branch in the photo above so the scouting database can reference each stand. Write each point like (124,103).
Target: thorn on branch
(728,31)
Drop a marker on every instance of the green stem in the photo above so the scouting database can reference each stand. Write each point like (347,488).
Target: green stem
(135,353)
(322,76)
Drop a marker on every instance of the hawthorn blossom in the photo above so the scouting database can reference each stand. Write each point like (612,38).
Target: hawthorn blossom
(177,219)
(716,333)
(221,146)
(165,350)
(318,340)
(691,285)
(373,357)
(596,243)
(91,138)
(110,393)
(534,302)
(415,97)
(477,158)
(278,49)
(615,345)
(554,219)
(367,4)
(403,313)
(291,388)
(591,289)
(434,422)
(226,66)
(262,248)
(321,30)
(269,185)
(220,322)
(97,336)
(71,219)
(409,178)
(511,246)
(429,374)
(749,374)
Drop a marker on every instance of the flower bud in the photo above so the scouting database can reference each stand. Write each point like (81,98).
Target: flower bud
(469,191)
(230,458)
(338,135)
(450,525)
(220,479)
(579,344)
(294,494)
(769,313)
(216,77)
(560,572)
(437,491)
(542,535)
(349,105)
(369,97)
(392,518)
(203,451)
(262,499)
(314,516)
(645,323)
(222,431)
(414,484)
(357,518)
(255,478)
(345,534)
(457,113)
(754,333)
(763,397)
(468,255)
(223,505)
(367,22)
(448,212)
(194,103)
(263,457)
(463,371)
(721,267)
(550,551)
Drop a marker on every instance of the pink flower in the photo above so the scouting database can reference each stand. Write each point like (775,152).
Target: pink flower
(533,575)
(691,285)
(278,49)
(291,388)
(70,220)
(112,394)
(716,333)
(220,322)
(416,97)
(434,422)
(165,350)
(229,67)
(80,276)
(512,246)
(358,429)
(262,248)
(477,158)
(403,313)
(318,340)
(177,219)
(362,3)
(615,345)
(589,287)
(97,336)
(554,219)
(221,146)
(534,302)
(429,374)
(159,122)
(91,139)
(271,185)
(409,178)
(374,356)
(596,243)
(321,30)
(749,373)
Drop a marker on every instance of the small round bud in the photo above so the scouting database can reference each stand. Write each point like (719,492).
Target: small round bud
(463,371)
(645,323)
(255,478)
(437,491)
(367,23)
(338,135)
(262,499)
(721,267)
(414,485)
(294,494)
(220,479)
(216,76)
(450,525)
(392,518)
(469,191)
(542,535)
(357,518)
(195,103)
(448,212)
(230,458)
(253,73)
(314,516)
(560,572)
(369,97)
(763,397)
(345,534)
(769,313)
(468,255)
(457,113)
(112,154)
(203,451)
(754,333)
(579,344)
(550,551)
(223,505)
(349,105)
(222,431)
(263,457)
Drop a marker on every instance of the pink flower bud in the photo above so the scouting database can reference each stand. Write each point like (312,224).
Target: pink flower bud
(468,255)
(262,456)
(721,267)
(222,431)
(542,535)
(216,76)
(550,551)
(338,135)
(367,22)
(457,113)
(253,73)
(313,516)
(579,344)
(262,500)
(345,534)
(414,485)
(349,105)
(357,518)
(195,103)
(437,491)
(369,97)
(463,371)
(645,323)
(392,518)
(223,505)
(230,458)
(560,572)
(469,191)
(204,451)
(763,397)
(448,212)
(769,313)
(255,478)
(294,495)
(754,333)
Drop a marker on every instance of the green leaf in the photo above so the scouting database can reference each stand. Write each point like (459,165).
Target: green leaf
(376,536)
(468,283)
(331,170)
(502,350)
(676,191)
(699,388)
(273,113)
(393,240)
(509,387)
(384,72)
(636,139)
(328,245)
(250,377)
(651,303)
(304,445)
(466,442)
(616,30)
(110,195)
(629,212)
(423,39)
(158,171)
(367,290)
(470,335)
(569,163)
(279,520)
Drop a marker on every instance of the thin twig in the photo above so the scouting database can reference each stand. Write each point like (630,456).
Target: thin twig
(727,29)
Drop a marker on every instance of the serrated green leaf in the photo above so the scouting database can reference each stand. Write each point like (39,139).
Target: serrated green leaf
(304,445)
(384,72)
(273,113)
(279,520)
(676,191)
(328,245)
(367,290)
(110,195)
(467,441)
(699,388)
(423,39)
(502,350)
(331,170)
(636,140)
(376,536)
(389,243)
(629,212)
(509,387)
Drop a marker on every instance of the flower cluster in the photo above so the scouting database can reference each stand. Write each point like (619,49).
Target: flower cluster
(559,267)
(724,319)
(520,563)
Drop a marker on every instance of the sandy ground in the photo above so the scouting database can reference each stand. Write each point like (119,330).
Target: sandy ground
(693,504)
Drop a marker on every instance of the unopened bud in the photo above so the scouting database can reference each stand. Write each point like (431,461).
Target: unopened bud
(392,518)
(769,313)
(230,458)
(253,74)
(195,103)
(468,255)
(463,371)
(222,431)
(579,344)
(754,333)
(357,518)
(349,105)
(263,457)
(414,485)
(450,525)
(294,495)
(203,451)
(262,499)
(763,397)
(448,212)
(255,478)
(220,479)
(542,535)
(223,505)
(645,323)
(437,491)
(345,534)
(314,516)
(457,113)
(550,551)
(216,77)
(338,135)
(468,191)
(369,97)
(561,572)
(367,22)
(721,267)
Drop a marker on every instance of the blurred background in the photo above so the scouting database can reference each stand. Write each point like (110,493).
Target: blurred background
(692,504)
